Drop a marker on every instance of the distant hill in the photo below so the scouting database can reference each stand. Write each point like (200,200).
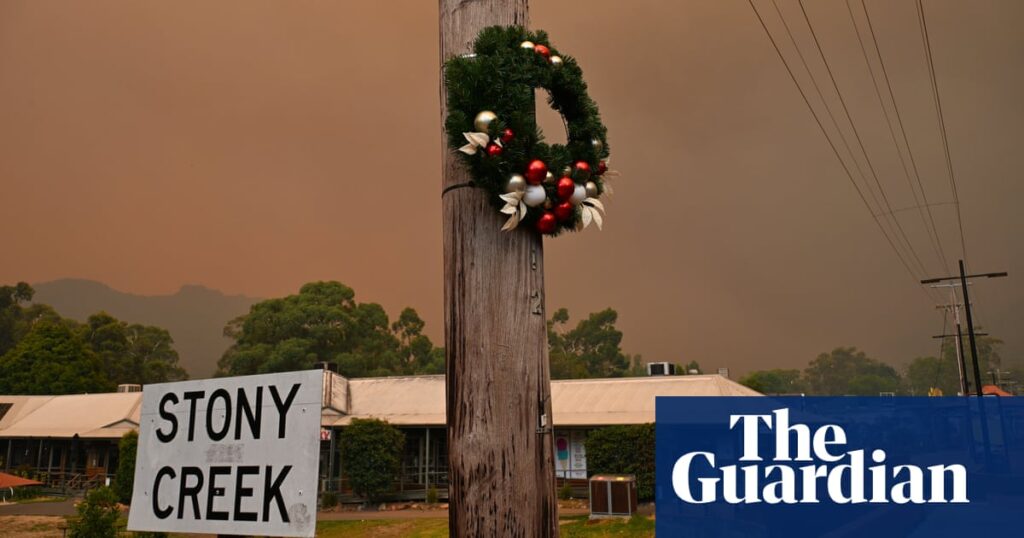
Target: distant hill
(195,315)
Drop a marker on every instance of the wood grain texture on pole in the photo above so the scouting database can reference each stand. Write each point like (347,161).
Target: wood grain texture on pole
(500,454)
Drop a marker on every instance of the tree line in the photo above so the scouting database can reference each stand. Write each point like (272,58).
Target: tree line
(325,323)
(42,352)
(847,371)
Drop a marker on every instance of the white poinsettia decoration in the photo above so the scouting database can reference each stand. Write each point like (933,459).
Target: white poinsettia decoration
(477,141)
(590,211)
(515,208)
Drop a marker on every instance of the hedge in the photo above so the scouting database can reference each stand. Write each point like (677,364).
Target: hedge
(624,450)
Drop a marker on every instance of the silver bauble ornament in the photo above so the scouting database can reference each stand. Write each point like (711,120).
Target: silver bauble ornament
(482,121)
(534,195)
(526,45)
(591,189)
(597,144)
(515,183)
(556,61)
(549,178)
(578,195)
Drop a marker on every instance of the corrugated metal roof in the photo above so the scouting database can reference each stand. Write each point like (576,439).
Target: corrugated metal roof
(20,407)
(107,415)
(603,402)
(408,401)
(420,400)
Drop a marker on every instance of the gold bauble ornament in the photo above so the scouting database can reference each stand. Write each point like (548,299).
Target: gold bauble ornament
(548,204)
(549,178)
(482,121)
(556,61)
(515,183)
(597,144)
(591,189)
(526,45)
(567,171)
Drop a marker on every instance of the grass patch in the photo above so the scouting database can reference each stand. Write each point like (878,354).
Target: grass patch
(636,526)
(31,526)
(571,527)
(414,528)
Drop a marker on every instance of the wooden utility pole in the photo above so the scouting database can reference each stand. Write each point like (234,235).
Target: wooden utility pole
(500,454)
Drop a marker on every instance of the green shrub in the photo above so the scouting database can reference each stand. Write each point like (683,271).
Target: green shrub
(127,448)
(432,495)
(328,499)
(97,515)
(371,456)
(565,492)
(624,450)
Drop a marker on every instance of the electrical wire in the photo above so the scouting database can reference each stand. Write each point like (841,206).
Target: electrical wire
(942,123)
(929,222)
(832,145)
(828,109)
(923,23)
(901,233)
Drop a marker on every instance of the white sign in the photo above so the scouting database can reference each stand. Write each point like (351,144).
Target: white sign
(579,454)
(235,455)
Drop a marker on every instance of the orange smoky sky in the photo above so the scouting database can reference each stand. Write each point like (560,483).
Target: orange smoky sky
(255,146)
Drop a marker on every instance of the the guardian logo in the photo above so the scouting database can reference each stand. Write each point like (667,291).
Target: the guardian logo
(831,472)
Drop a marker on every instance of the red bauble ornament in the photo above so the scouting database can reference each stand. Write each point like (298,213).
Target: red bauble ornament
(546,223)
(602,167)
(507,135)
(542,50)
(582,167)
(494,150)
(564,211)
(536,171)
(565,188)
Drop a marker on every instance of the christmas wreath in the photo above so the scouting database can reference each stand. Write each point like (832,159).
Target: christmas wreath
(491,123)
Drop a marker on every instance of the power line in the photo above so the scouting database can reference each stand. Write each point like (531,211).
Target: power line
(942,122)
(933,232)
(916,207)
(831,144)
(824,103)
(923,24)
(835,123)
(860,142)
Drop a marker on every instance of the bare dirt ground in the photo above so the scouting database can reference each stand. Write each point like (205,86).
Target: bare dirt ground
(32,526)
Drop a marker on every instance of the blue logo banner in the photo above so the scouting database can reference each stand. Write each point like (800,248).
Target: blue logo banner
(839,467)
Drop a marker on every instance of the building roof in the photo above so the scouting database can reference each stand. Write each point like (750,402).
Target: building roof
(420,400)
(105,415)
(403,401)
(12,481)
(994,390)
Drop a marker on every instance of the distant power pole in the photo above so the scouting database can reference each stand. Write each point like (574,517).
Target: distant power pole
(963,278)
(954,307)
(498,389)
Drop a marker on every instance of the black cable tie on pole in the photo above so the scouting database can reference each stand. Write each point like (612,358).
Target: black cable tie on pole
(457,186)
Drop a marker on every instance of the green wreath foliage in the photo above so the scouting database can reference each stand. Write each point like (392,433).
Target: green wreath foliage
(501,76)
